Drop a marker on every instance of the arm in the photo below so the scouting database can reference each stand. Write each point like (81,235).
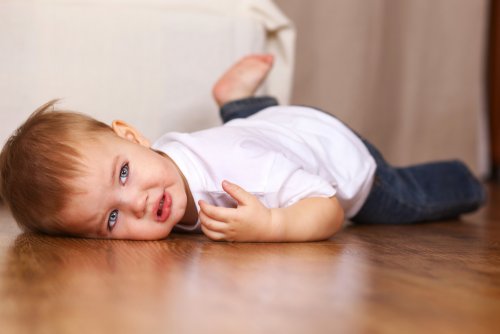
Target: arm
(310,219)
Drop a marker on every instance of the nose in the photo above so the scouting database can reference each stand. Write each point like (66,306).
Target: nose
(135,203)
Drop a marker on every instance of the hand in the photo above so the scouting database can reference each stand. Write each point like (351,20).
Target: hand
(249,221)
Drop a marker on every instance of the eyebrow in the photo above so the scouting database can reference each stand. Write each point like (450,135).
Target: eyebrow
(98,230)
(98,227)
(90,228)
(114,167)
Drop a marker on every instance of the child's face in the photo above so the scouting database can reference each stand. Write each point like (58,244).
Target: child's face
(129,191)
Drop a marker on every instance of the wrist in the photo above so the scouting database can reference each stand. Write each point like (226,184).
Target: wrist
(277,230)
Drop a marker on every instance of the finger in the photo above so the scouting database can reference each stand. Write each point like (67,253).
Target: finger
(216,236)
(238,193)
(216,212)
(212,224)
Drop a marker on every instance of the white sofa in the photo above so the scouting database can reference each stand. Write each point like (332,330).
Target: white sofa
(149,62)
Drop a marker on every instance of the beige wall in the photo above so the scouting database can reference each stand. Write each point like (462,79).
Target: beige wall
(406,74)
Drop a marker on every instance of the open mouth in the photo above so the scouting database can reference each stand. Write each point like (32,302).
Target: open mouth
(163,208)
(160,207)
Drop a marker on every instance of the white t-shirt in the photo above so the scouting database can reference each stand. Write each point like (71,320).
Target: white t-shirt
(281,155)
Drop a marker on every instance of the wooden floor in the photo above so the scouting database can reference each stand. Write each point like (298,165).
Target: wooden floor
(441,277)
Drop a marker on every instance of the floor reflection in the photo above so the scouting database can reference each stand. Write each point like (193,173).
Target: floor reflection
(261,285)
(170,282)
(49,279)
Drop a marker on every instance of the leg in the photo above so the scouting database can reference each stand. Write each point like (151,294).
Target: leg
(234,91)
(432,191)
(243,108)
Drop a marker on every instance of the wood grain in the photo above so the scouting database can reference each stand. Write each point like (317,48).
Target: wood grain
(441,277)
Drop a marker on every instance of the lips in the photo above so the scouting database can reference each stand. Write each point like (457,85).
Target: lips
(163,207)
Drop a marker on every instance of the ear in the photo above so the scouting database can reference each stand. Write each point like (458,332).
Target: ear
(128,132)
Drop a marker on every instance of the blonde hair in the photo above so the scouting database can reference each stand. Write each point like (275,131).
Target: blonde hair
(39,161)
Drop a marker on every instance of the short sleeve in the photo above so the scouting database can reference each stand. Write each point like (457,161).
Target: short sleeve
(296,183)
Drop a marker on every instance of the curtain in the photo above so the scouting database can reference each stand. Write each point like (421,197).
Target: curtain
(408,75)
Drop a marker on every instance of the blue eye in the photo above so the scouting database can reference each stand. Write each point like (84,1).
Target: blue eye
(113,217)
(124,174)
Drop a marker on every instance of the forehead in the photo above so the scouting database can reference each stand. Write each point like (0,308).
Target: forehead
(99,143)
(83,210)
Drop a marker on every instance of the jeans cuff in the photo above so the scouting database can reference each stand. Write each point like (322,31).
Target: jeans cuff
(243,108)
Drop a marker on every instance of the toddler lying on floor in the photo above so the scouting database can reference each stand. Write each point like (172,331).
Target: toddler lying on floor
(270,173)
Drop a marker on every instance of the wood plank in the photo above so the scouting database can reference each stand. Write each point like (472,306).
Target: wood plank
(440,277)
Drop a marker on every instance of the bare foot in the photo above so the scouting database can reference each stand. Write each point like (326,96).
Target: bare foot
(242,79)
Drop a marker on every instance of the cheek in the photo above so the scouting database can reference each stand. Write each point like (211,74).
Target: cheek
(175,181)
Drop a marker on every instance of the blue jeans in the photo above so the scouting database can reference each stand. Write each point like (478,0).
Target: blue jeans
(418,193)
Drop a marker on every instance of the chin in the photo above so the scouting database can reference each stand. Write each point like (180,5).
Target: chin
(165,233)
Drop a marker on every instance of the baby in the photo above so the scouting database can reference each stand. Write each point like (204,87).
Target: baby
(298,173)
